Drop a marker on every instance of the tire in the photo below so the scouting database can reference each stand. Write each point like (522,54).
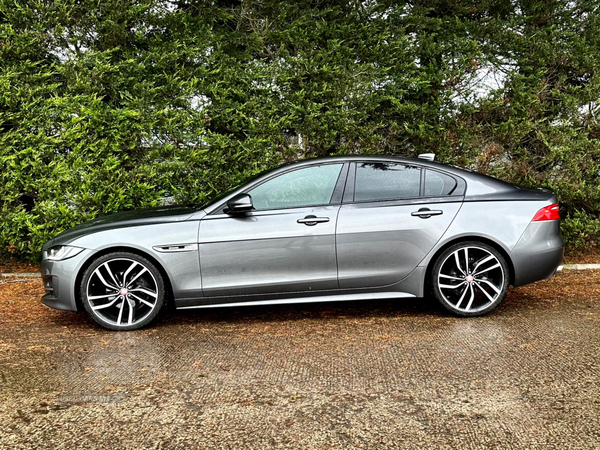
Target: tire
(122,291)
(470,278)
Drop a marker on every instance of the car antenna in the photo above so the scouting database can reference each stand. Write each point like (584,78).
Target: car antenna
(427,156)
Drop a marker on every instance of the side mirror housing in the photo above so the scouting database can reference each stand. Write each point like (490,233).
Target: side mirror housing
(239,204)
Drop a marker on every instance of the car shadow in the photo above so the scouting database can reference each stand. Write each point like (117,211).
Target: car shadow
(514,304)
(387,308)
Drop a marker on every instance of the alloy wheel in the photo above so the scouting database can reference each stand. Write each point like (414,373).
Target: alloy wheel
(471,279)
(123,292)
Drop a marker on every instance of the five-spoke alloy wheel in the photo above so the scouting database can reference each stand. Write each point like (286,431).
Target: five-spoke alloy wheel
(122,291)
(470,278)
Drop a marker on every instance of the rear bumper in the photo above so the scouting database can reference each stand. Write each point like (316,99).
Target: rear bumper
(538,253)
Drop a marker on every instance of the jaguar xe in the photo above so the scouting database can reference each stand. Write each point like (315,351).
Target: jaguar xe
(330,229)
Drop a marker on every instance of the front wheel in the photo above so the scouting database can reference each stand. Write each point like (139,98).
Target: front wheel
(470,278)
(122,291)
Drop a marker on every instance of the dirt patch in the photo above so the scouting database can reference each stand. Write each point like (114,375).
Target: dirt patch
(20,301)
(590,256)
(8,265)
(568,285)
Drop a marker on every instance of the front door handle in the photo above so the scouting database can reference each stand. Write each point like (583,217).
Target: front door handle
(313,220)
(426,213)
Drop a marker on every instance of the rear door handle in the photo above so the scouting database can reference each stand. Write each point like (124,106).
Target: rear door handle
(313,220)
(426,213)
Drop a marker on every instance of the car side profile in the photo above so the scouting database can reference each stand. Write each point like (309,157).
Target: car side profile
(328,229)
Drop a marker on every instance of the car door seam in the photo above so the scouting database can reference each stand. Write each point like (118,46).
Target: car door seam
(435,246)
(335,237)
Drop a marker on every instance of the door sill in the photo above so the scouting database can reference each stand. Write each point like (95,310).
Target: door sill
(316,299)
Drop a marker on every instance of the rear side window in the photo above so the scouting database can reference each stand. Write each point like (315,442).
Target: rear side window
(438,184)
(386,181)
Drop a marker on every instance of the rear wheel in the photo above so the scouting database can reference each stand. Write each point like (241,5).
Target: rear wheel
(122,291)
(470,278)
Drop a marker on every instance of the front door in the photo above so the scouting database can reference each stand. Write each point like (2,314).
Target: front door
(286,244)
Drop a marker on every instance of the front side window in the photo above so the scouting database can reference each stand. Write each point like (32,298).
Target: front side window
(311,186)
(379,181)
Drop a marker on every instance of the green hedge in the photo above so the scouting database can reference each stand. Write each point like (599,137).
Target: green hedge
(111,105)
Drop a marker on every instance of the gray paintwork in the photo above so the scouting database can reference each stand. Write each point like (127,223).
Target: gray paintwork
(380,243)
(373,249)
(266,252)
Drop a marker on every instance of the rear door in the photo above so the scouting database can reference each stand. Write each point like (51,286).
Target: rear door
(392,216)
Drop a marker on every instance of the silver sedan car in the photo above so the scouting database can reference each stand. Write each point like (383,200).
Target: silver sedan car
(339,228)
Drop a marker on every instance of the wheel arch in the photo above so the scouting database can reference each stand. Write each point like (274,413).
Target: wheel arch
(427,279)
(121,248)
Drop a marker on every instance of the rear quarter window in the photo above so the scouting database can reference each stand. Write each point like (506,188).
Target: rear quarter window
(438,184)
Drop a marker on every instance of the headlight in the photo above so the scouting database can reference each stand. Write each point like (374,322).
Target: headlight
(61,252)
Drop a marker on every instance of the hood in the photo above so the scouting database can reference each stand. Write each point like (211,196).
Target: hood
(137,217)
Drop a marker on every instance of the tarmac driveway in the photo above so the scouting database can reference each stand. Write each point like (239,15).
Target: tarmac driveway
(386,374)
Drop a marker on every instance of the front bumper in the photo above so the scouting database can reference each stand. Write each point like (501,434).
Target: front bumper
(60,279)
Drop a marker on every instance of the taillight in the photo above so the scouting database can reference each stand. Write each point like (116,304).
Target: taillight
(547,213)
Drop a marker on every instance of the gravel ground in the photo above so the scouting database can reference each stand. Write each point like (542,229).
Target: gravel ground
(386,374)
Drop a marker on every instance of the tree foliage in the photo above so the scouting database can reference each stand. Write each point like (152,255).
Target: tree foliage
(109,105)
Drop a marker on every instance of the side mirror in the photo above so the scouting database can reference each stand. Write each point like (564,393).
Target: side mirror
(239,204)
